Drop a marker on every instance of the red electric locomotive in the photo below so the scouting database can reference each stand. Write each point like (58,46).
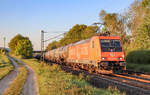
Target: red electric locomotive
(101,54)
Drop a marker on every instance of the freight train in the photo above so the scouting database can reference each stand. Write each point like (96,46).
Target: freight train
(100,54)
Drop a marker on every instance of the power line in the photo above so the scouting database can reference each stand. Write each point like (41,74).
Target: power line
(54,37)
(43,41)
(100,25)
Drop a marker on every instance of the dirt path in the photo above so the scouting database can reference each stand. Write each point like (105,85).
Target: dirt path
(30,87)
(6,81)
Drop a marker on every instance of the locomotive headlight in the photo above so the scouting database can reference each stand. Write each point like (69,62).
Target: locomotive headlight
(103,58)
(120,58)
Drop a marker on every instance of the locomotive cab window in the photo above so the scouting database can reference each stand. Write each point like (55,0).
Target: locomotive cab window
(109,45)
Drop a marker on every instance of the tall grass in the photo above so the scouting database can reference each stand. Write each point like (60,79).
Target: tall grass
(139,67)
(5,66)
(53,81)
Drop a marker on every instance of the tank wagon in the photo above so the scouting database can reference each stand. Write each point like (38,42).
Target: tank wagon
(100,54)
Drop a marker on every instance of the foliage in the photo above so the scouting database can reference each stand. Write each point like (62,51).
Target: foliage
(89,32)
(143,34)
(114,23)
(76,33)
(51,45)
(2,51)
(139,57)
(134,30)
(138,67)
(22,46)
(135,15)
(127,24)
(146,4)
(13,43)
(5,66)
(52,79)
(142,37)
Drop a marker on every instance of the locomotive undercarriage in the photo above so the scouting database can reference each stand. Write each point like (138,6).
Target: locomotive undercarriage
(103,67)
(112,66)
(99,69)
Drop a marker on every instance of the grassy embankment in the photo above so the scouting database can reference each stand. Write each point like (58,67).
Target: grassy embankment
(18,83)
(5,66)
(53,81)
(138,60)
(139,67)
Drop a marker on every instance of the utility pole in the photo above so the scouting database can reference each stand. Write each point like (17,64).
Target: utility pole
(42,45)
(4,43)
(43,41)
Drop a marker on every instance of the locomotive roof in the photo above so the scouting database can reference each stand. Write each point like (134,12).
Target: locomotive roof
(87,40)
(82,41)
(109,37)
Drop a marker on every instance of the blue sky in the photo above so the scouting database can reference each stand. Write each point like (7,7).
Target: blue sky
(28,17)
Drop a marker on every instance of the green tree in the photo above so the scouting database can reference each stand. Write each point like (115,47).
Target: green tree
(143,34)
(13,43)
(21,46)
(102,15)
(135,15)
(114,23)
(89,32)
(2,51)
(51,46)
(146,4)
(24,48)
(76,33)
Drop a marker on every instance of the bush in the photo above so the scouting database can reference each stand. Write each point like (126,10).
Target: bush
(139,57)
(5,66)
(21,46)
(2,51)
(139,67)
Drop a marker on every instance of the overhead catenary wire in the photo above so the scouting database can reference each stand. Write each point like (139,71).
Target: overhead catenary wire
(98,23)
(55,37)
(43,41)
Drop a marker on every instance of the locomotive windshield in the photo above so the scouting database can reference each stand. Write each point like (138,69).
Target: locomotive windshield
(109,45)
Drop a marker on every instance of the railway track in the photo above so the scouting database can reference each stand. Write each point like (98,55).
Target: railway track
(137,81)
(141,83)
(139,75)
(130,83)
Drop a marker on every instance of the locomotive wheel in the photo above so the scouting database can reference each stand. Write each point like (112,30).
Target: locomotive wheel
(96,70)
